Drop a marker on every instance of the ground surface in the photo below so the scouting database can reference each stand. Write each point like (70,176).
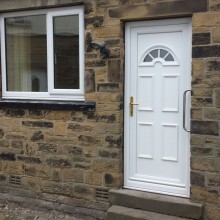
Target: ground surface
(13,211)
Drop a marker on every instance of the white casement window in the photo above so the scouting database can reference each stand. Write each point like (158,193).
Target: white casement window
(43,54)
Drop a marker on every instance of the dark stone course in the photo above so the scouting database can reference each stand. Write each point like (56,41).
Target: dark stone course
(108,87)
(76,151)
(36,113)
(108,178)
(15,112)
(83,166)
(56,162)
(101,118)
(95,63)
(2,178)
(114,142)
(201,38)
(113,42)
(205,127)
(38,135)
(79,127)
(40,124)
(7,156)
(107,154)
(29,159)
(88,41)
(81,189)
(45,147)
(1,133)
(88,8)
(197,179)
(213,65)
(89,139)
(96,21)
(206,51)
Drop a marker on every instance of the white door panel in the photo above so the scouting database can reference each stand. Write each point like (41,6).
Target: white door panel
(158,62)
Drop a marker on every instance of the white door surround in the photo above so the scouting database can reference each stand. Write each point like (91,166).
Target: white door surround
(157,73)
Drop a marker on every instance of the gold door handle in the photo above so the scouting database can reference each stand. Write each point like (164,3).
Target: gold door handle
(131,106)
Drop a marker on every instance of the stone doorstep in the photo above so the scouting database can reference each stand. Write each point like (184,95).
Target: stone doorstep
(158,203)
(124,213)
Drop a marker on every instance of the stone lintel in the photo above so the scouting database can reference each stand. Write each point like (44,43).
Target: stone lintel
(161,9)
(18,5)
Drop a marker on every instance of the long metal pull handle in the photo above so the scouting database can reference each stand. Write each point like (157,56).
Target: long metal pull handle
(184,110)
(131,106)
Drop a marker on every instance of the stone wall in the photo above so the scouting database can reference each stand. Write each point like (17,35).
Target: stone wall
(205,141)
(68,156)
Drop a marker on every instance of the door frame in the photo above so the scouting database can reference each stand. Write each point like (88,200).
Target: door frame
(137,24)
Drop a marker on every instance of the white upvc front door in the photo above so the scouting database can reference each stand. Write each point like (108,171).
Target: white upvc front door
(157,73)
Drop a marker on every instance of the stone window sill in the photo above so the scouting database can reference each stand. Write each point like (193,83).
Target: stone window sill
(50,105)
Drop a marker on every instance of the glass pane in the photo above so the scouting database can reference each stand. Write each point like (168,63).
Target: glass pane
(154,53)
(163,53)
(148,58)
(169,58)
(66,52)
(26,53)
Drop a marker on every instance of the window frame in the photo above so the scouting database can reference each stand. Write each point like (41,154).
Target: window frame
(52,93)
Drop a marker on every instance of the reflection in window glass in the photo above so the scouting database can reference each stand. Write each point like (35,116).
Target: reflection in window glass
(66,52)
(163,53)
(148,58)
(169,58)
(26,53)
(154,53)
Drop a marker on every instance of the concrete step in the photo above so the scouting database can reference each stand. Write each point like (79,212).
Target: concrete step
(124,213)
(152,202)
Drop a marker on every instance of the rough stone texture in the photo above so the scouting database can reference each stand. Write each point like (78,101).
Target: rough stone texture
(205,141)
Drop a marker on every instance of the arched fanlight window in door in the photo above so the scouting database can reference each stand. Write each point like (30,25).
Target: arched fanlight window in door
(158,54)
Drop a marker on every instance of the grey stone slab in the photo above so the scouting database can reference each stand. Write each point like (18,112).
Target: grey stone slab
(158,203)
(124,213)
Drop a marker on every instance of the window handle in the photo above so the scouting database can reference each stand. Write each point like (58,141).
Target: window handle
(132,106)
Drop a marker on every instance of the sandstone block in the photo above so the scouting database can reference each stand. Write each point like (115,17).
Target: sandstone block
(106,165)
(84,191)
(212,212)
(57,188)
(217,98)
(212,113)
(108,32)
(12,167)
(93,178)
(73,175)
(202,151)
(114,70)
(213,180)
(205,164)
(108,87)
(205,195)
(216,34)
